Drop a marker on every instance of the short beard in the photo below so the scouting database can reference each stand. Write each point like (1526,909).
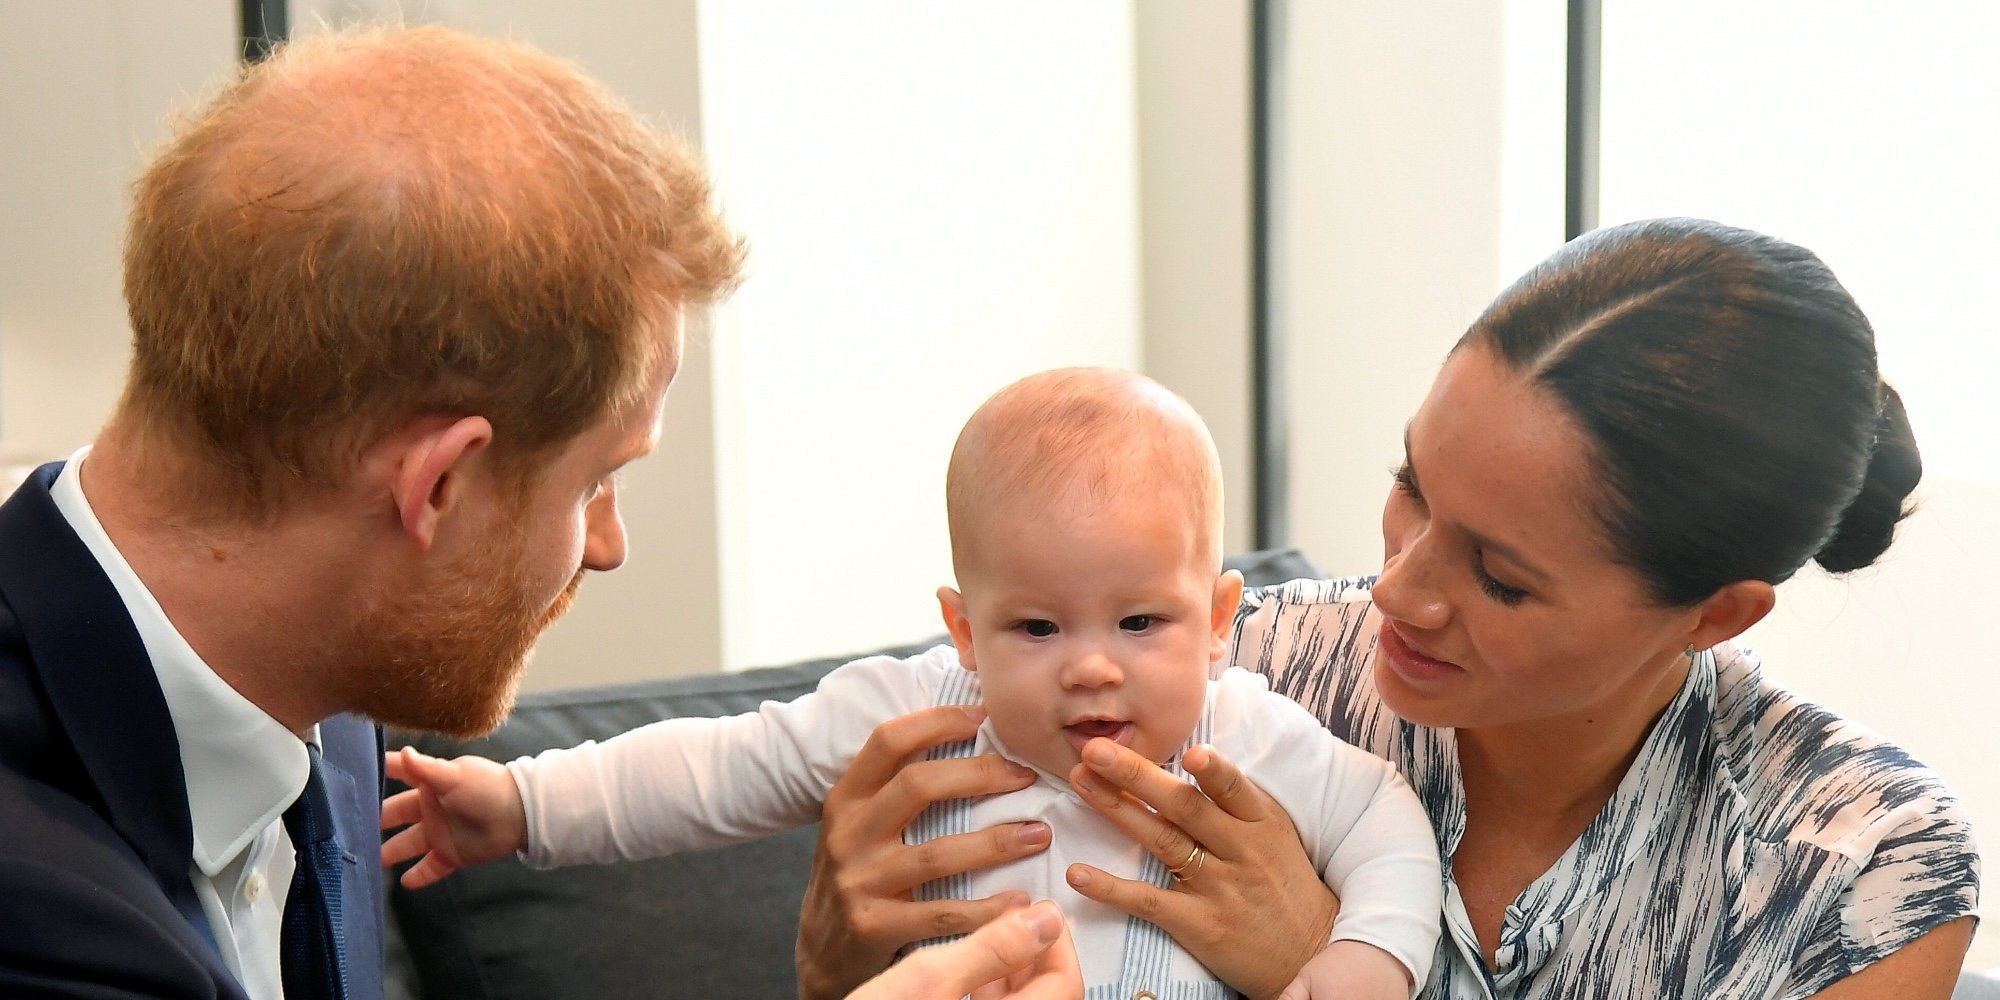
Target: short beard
(448,657)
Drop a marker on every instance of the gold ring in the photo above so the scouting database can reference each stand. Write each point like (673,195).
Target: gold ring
(1193,864)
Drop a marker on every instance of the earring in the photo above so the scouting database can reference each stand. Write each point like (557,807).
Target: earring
(1690,651)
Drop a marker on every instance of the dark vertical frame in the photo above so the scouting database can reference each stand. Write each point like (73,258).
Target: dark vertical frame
(1270,446)
(265,24)
(1583,115)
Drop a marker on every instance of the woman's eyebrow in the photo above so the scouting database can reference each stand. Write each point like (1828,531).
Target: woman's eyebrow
(1501,549)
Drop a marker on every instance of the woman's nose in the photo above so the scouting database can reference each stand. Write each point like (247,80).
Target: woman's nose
(1408,589)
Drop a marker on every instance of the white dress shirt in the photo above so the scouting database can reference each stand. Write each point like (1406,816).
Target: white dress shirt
(242,767)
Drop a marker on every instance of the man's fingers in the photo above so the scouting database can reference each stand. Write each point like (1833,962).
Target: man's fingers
(993,952)
(947,917)
(894,741)
(906,868)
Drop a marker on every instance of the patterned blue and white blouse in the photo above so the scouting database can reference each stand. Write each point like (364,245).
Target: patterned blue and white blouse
(1759,847)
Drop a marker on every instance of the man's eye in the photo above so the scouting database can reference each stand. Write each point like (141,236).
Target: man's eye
(1039,628)
(1136,623)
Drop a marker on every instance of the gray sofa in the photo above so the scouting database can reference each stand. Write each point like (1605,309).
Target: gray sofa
(716,923)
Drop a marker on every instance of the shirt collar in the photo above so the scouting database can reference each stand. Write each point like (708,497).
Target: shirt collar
(243,768)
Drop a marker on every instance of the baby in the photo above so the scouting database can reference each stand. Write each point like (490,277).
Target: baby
(1085,509)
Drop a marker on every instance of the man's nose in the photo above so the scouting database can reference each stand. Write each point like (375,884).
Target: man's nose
(604,533)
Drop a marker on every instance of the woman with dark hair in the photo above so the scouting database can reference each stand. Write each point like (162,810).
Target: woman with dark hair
(1616,465)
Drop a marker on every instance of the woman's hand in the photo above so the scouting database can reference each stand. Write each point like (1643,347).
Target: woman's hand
(859,908)
(1022,955)
(1250,906)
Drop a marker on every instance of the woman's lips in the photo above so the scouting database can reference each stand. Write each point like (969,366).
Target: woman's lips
(1409,662)
(1079,733)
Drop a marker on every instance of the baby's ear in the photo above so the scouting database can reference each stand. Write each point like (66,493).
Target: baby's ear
(1222,613)
(952,603)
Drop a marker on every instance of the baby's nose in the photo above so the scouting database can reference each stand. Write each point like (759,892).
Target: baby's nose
(1092,669)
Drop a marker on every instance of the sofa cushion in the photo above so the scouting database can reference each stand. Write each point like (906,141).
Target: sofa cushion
(717,923)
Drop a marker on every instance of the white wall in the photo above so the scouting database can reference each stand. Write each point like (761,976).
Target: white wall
(1194,184)
(941,198)
(1863,134)
(1391,122)
(84,89)
(1416,174)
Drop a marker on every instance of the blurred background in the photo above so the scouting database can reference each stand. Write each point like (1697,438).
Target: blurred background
(1285,211)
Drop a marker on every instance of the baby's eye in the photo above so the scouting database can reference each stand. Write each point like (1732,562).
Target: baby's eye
(1039,628)
(1136,623)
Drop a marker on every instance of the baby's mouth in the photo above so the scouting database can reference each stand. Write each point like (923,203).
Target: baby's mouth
(1116,730)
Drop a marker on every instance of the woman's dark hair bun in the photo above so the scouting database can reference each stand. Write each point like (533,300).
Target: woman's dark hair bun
(1728,388)
(1869,523)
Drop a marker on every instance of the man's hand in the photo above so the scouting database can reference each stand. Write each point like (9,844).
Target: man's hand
(859,907)
(461,812)
(1025,954)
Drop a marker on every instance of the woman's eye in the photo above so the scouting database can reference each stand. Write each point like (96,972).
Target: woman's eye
(1406,483)
(1136,623)
(1501,592)
(1038,628)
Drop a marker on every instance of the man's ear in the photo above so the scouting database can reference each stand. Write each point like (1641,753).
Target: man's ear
(430,474)
(1731,611)
(952,603)
(1222,613)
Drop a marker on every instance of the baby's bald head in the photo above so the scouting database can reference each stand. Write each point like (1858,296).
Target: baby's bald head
(1071,442)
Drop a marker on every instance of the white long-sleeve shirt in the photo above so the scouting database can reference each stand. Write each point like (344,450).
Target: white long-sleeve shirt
(686,784)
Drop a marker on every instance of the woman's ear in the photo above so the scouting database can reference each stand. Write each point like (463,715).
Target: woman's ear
(1731,611)
(1222,613)
(952,603)
(430,473)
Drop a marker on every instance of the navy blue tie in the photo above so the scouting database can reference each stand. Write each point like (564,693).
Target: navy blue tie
(310,958)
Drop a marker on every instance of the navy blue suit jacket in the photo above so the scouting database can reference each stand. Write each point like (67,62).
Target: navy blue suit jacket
(96,844)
